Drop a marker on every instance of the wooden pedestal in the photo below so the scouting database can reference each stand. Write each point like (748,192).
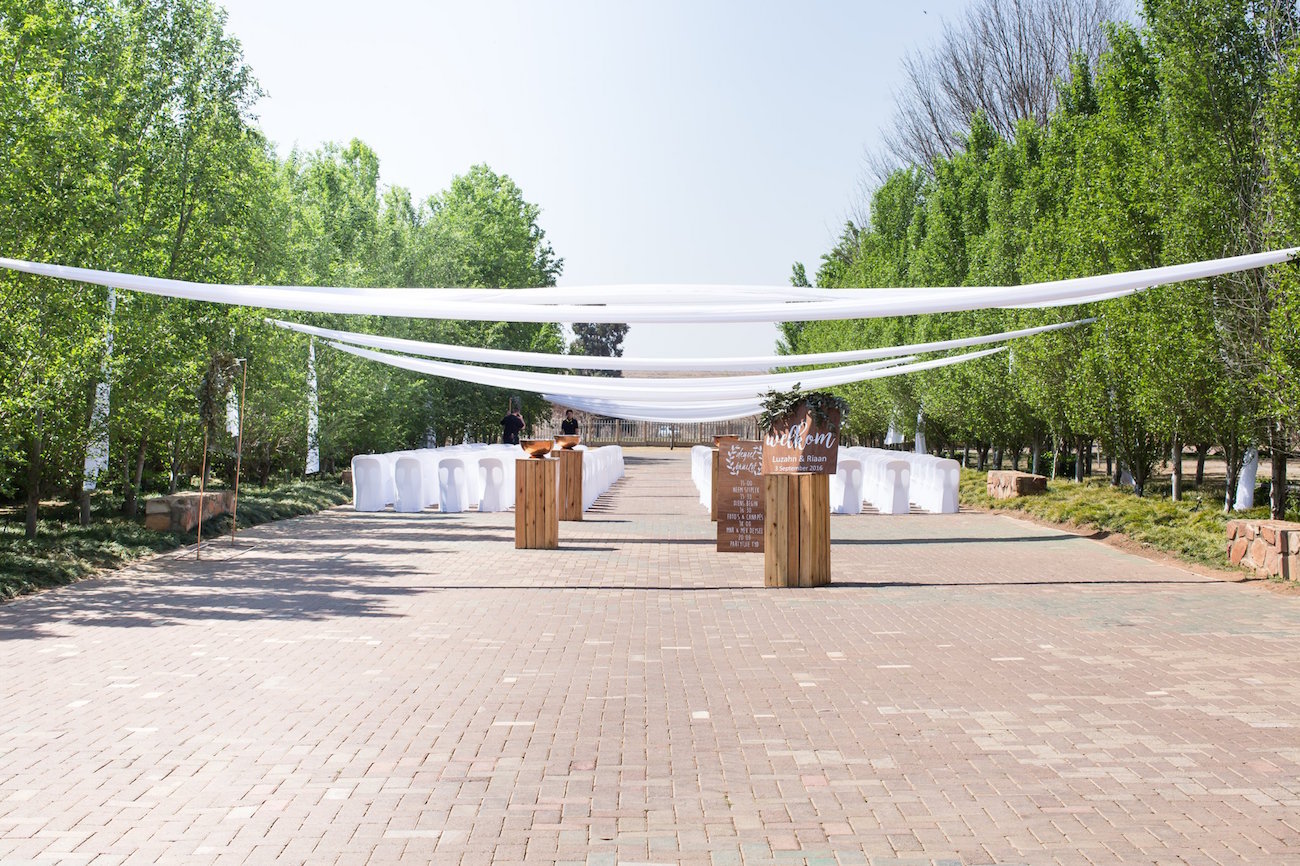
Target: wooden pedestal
(537,525)
(570,490)
(713,508)
(796,530)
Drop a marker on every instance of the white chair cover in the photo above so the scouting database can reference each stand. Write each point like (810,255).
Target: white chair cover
(492,480)
(453,485)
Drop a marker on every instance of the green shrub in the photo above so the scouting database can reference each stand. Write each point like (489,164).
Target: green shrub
(1193,529)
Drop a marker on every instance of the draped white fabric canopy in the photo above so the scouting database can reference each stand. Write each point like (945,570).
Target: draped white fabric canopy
(587,362)
(741,304)
(679,392)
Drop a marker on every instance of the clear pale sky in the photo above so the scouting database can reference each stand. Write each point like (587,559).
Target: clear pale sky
(665,141)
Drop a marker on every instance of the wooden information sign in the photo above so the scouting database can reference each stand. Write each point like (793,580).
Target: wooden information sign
(797,443)
(739,491)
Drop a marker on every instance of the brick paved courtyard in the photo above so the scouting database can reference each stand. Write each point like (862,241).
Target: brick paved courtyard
(379,688)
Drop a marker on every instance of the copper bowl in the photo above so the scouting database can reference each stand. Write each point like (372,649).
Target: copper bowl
(536,447)
(567,442)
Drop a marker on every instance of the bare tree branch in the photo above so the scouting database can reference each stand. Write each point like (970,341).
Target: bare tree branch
(1004,58)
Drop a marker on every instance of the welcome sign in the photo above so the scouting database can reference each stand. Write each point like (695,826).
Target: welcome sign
(740,496)
(798,443)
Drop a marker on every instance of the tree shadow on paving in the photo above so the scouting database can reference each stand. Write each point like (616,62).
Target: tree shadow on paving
(207,592)
(1047,581)
(948,539)
(620,540)
(363,543)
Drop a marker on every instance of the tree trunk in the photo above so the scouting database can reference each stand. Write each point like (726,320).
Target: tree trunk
(131,505)
(34,473)
(982,453)
(965,455)
(207,468)
(1117,474)
(1277,485)
(997,459)
(1036,449)
(1201,451)
(1087,469)
(1232,472)
(1176,478)
(176,462)
(1078,460)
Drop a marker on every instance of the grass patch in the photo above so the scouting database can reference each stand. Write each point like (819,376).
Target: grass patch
(1193,529)
(64,551)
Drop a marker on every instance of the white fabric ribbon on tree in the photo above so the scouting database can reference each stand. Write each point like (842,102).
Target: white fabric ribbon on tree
(590,362)
(668,391)
(741,304)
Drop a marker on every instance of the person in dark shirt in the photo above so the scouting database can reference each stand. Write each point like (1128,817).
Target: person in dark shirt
(511,425)
(569,426)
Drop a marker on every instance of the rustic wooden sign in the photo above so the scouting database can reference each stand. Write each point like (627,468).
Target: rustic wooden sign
(797,443)
(740,496)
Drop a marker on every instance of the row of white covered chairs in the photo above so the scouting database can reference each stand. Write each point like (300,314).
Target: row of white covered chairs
(601,467)
(935,483)
(878,477)
(889,481)
(702,473)
(463,476)
(453,478)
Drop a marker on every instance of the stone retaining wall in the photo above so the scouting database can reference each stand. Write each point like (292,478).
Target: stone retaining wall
(179,512)
(1006,484)
(1270,547)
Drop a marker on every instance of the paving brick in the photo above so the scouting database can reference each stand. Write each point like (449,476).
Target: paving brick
(388,687)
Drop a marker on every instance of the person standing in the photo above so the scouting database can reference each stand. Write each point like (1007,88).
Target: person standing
(511,425)
(569,426)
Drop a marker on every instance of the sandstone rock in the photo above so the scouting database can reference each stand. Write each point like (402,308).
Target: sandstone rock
(1237,550)
(179,512)
(1270,547)
(1006,484)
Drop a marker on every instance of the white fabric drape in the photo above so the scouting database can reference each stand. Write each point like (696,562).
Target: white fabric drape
(740,306)
(313,424)
(669,391)
(587,362)
(96,463)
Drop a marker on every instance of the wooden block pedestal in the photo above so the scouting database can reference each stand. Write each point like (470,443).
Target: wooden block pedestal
(796,530)
(570,481)
(537,525)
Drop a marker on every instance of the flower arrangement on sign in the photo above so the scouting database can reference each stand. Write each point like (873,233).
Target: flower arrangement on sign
(778,405)
(801,431)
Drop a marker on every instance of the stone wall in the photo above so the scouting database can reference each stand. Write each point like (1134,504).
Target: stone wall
(1270,547)
(179,512)
(1006,484)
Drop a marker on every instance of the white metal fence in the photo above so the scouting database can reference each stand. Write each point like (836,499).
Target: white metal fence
(612,431)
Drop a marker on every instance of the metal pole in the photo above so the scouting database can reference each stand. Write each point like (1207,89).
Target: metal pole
(203,471)
(239,452)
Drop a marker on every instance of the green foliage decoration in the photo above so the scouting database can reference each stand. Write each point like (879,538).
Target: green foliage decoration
(780,404)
